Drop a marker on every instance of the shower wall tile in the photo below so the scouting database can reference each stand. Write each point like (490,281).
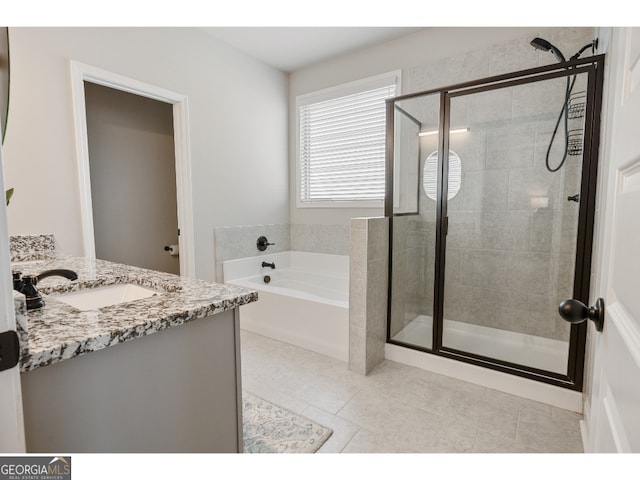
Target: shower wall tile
(465,230)
(486,190)
(510,148)
(235,242)
(483,268)
(470,147)
(357,349)
(512,232)
(506,230)
(531,187)
(492,106)
(565,273)
(512,56)
(544,317)
(468,66)
(368,287)
(317,238)
(544,134)
(554,231)
(530,272)
(571,186)
(453,272)
(527,98)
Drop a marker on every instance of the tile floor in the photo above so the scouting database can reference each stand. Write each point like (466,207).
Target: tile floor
(401,409)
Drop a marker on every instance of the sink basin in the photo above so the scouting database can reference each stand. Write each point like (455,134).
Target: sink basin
(93,298)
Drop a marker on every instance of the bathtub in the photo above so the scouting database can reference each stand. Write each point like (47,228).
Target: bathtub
(305,303)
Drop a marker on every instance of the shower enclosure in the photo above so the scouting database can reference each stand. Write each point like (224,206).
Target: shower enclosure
(477,273)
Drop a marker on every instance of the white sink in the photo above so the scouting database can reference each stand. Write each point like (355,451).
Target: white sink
(93,298)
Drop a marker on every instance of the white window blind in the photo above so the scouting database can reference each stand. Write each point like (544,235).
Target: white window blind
(342,147)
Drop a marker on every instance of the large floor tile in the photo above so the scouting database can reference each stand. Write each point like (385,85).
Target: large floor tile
(401,409)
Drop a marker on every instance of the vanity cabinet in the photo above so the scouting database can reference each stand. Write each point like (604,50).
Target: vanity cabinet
(177,390)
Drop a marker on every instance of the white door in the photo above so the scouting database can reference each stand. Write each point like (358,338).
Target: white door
(612,410)
(11,423)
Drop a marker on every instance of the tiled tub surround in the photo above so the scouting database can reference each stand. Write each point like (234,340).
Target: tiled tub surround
(234,242)
(368,263)
(319,238)
(59,332)
(305,302)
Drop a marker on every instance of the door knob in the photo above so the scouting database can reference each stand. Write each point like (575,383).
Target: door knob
(574,311)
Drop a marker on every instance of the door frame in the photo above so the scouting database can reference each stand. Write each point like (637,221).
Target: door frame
(80,73)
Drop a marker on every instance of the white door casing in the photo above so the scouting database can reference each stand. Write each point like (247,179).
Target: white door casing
(612,399)
(79,74)
(11,421)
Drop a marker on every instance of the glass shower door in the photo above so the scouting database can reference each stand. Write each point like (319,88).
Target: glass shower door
(512,225)
(413,222)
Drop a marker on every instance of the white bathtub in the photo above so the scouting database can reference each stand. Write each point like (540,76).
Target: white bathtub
(305,303)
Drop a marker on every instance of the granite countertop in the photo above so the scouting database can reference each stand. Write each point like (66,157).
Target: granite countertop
(58,331)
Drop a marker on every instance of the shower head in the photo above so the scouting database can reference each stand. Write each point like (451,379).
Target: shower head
(542,44)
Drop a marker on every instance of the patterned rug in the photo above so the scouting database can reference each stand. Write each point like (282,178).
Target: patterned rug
(272,429)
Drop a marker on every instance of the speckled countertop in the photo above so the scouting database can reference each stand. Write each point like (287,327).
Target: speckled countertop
(58,331)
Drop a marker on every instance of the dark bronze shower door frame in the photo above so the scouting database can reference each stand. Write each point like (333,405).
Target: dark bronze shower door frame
(594,68)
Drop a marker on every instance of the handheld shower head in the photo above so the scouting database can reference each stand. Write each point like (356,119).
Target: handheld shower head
(545,46)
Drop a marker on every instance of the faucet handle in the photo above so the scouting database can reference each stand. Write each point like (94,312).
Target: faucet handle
(262,243)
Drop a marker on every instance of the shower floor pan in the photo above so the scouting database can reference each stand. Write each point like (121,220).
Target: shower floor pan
(538,352)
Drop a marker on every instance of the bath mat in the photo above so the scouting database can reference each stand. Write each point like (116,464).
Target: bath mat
(269,428)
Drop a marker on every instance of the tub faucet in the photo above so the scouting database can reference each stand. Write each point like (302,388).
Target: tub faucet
(27,285)
(270,265)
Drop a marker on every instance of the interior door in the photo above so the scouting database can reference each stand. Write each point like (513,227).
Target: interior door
(611,413)
(11,423)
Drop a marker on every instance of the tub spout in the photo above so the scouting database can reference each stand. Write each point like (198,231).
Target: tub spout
(270,265)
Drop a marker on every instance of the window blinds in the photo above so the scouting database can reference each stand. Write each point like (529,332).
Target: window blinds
(342,147)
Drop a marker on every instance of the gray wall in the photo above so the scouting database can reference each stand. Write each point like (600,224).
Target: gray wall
(235,166)
(133,178)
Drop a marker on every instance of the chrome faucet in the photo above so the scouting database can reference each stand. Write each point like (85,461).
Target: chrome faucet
(270,265)
(27,285)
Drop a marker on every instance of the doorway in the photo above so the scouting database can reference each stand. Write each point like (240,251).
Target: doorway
(133,181)
(81,73)
(477,273)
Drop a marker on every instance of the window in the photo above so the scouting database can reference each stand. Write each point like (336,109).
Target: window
(341,156)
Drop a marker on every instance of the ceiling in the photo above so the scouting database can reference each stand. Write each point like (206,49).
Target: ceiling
(292,48)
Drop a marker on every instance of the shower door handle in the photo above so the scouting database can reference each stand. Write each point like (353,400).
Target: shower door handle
(574,311)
